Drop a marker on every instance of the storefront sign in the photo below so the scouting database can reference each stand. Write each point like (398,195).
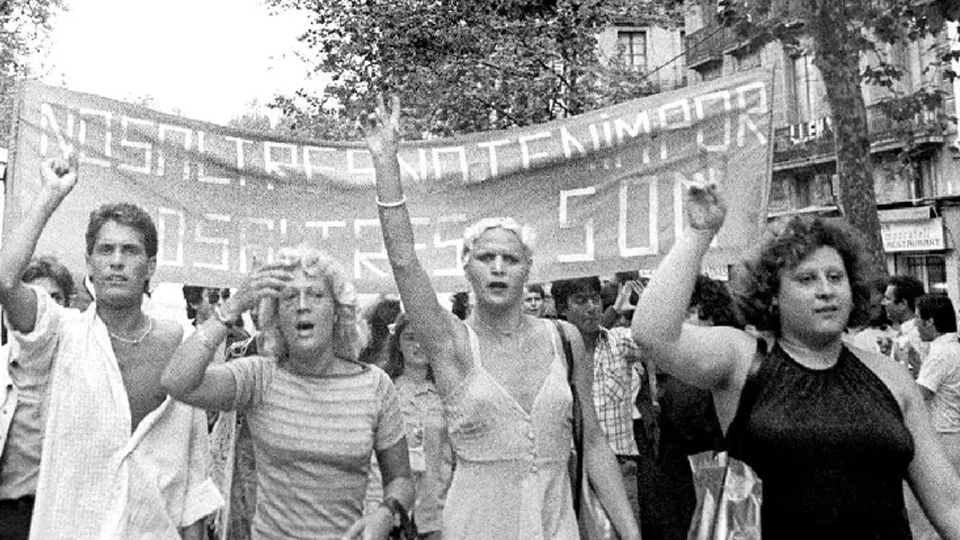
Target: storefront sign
(922,235)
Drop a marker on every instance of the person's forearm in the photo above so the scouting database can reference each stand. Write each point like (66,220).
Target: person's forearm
(607,480)
(19,245)
(185,370)
(663,306)
(398,235)
(401,489)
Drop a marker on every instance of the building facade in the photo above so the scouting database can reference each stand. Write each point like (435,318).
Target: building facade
(916,164)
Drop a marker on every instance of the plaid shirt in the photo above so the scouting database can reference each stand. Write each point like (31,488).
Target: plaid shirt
(613,360)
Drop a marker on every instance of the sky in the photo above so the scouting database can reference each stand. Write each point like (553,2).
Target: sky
(207,59)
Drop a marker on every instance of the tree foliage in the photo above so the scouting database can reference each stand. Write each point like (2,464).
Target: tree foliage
(851,42)
(462,66)
(24,26)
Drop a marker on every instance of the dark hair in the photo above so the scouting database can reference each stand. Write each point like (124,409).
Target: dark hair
(47,266)
(714,302)
(878,317)
(563,289)
(461,304)
(193,294)
(395,363)
(536,288)
(786,246)
(906,289)
(129,215)
(383,313)
(939,308)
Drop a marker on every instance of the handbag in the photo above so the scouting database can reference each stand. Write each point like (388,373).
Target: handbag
(592,519)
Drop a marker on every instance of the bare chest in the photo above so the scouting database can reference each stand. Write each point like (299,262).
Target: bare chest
(141,367)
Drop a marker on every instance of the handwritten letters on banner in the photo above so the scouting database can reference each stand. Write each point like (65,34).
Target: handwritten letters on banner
(603,191)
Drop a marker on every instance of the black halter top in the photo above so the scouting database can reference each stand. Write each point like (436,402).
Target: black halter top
(829,445)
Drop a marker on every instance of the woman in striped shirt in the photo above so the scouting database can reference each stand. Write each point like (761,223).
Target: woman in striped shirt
(315,413)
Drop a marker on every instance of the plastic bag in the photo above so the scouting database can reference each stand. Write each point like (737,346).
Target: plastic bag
(729,497)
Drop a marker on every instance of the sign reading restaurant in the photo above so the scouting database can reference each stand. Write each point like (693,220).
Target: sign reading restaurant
(919,235)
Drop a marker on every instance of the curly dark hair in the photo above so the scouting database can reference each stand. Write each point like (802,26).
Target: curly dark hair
(786,246)
(714,302)
(47,266)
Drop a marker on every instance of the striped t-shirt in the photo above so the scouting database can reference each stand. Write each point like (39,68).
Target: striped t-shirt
(313,437)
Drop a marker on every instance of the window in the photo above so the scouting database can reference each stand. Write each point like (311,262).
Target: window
(930,269)
(632,49)
(805,90)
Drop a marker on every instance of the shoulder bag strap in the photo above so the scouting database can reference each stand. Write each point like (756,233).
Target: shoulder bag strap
(577,417)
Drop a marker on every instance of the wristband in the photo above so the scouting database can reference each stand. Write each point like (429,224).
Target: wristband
(395,204)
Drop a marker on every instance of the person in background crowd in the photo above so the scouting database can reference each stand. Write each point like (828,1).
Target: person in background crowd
(832,432)
(939,383)
(686,424)
(316,414)
(533,300)
(461,305)
(877,335)
(502,376)
(203,303)
(612,354)
(620,313)
(108,423)
(939,378)
(380,316)
(431,455)
(378,320)
(899,301)
(234,466)
(22,393)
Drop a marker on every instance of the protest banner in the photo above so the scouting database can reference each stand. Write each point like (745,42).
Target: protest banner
(603,190)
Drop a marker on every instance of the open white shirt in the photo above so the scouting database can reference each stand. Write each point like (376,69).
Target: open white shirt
(98,481)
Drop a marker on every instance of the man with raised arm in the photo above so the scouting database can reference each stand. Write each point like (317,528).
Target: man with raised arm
(120,458)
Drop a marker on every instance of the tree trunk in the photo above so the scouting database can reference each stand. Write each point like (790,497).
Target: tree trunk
(837,58)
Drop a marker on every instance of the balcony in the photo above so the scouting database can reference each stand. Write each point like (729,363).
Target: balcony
(803,143)
(887,134)
(708,44)
(812,142)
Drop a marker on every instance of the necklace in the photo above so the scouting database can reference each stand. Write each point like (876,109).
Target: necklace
(499,332)
(137,340)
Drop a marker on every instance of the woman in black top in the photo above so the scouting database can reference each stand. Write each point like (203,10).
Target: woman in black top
(831,431)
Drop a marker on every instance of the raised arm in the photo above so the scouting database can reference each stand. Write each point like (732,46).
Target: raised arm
(702,356)
(58,176)
(439,333)
(189,377)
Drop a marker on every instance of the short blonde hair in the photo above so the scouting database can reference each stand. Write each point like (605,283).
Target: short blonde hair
(315,264)
(473,232)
